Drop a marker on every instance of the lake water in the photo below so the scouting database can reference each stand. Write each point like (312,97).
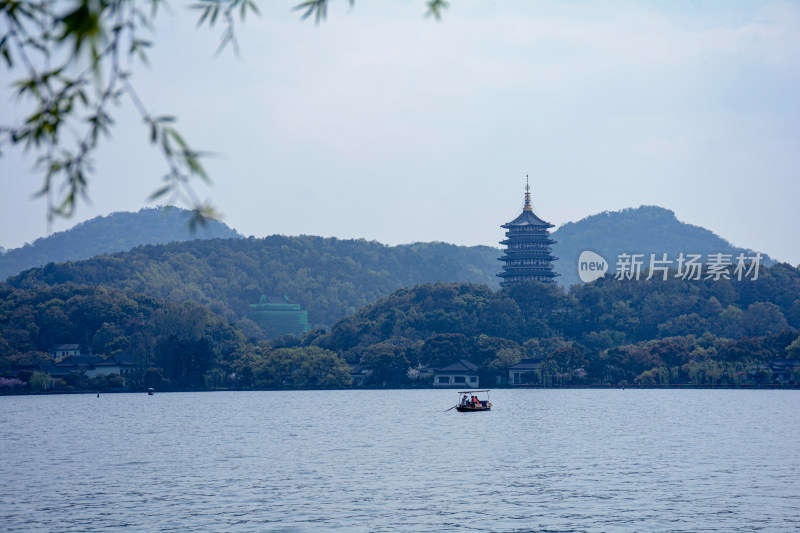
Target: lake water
(541,460)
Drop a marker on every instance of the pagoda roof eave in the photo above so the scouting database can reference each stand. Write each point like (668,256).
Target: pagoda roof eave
(527,218)
(545,241)
(508,274)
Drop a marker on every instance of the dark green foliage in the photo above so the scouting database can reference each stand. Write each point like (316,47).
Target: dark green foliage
(180,308)
(185,361)
(183,339)
(154,379)
(646,332)
(387,362)
(442,349)
(333,278)
(330,278)
(294,368)
(609,331)
(181,346)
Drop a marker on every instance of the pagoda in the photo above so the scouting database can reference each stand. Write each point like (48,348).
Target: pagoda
(528,256)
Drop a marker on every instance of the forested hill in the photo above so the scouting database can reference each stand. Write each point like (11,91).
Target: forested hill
(646,229)
(331,278)
(116,232)
(611,331)
(643,230)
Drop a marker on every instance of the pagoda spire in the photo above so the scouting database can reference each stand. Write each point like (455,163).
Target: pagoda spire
(527,196)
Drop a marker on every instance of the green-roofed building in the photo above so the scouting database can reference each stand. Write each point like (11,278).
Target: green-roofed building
(278,316)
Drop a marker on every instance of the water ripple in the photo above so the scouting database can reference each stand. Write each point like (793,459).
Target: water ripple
(542,460)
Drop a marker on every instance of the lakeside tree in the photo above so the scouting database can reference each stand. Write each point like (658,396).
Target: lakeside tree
(309,367)
(387,363)
(40,381)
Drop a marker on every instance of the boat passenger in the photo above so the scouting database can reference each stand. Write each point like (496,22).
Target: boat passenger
(464,401)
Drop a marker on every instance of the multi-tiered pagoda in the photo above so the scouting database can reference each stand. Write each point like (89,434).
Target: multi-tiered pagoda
(528,255)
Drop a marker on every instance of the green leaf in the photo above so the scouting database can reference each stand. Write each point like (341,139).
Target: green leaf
(160,192)
(83,25)
(435,8)
(318,8)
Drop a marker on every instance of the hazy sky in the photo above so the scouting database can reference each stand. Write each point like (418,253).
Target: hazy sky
(383,124)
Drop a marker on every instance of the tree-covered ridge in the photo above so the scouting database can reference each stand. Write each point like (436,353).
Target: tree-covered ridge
(608,332)
(331,278)
(300,274)
(112,321)
(116,232)
(646,229)
(168,344)
(603,332)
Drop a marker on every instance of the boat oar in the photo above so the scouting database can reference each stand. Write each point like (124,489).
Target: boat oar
(450,408)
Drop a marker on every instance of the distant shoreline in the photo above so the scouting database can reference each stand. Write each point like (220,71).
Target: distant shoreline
(770,386)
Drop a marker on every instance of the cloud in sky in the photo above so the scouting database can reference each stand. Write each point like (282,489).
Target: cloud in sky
(382,124)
